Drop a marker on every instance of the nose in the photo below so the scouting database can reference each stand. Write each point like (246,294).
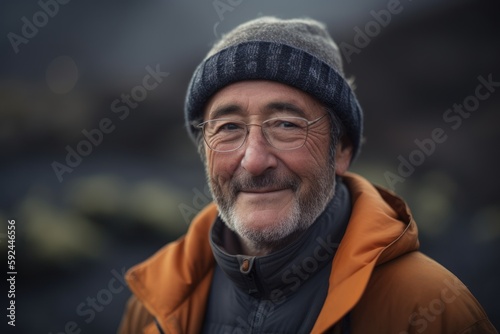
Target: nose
(258,155)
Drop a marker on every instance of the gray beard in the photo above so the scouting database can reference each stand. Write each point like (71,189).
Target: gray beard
(304,211)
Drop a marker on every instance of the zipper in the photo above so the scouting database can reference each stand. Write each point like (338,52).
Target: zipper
(159,327)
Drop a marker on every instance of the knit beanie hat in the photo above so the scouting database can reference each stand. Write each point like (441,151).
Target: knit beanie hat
(297,52)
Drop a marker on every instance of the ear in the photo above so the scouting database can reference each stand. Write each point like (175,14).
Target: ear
(343,156)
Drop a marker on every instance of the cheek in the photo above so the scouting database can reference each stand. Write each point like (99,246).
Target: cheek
(317,148)
(221,166)
(310,162)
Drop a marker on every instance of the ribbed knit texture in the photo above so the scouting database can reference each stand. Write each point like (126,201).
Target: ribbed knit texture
(299,53)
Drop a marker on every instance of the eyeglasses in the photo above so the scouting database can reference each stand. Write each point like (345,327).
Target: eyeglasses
(282,133)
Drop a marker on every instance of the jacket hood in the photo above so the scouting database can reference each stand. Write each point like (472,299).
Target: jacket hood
(174,283)
(381,228)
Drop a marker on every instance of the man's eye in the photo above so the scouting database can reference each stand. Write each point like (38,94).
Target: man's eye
(286,124)
(281,123)
(229,127)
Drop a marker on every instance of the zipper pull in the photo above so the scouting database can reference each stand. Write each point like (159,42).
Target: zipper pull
(246,268)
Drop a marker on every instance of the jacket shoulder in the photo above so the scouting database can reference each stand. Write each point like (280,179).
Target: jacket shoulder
(415,294)
(187,265)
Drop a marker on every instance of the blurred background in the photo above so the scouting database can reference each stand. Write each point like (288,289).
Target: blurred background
(89,204)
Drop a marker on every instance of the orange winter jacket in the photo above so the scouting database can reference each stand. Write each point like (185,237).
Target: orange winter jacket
(378,276)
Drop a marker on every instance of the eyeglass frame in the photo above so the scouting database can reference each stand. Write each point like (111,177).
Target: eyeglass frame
(247,126)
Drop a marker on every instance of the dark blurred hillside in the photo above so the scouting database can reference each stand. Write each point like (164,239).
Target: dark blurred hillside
(140,185)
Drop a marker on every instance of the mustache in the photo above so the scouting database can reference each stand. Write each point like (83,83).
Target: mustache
(269,180)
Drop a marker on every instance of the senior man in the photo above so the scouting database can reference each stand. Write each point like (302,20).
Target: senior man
(294,242)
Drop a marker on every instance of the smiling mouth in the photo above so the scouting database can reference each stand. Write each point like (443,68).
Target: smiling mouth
(265,198)
(262,191)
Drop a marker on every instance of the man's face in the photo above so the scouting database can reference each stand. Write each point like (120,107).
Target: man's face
(264,194)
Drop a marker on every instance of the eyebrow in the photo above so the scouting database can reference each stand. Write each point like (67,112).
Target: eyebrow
(285,106)
(232,109)
(225,110)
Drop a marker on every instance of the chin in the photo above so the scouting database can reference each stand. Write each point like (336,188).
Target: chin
(268,226)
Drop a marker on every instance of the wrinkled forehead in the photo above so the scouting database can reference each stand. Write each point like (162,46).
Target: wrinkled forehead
(261,98)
